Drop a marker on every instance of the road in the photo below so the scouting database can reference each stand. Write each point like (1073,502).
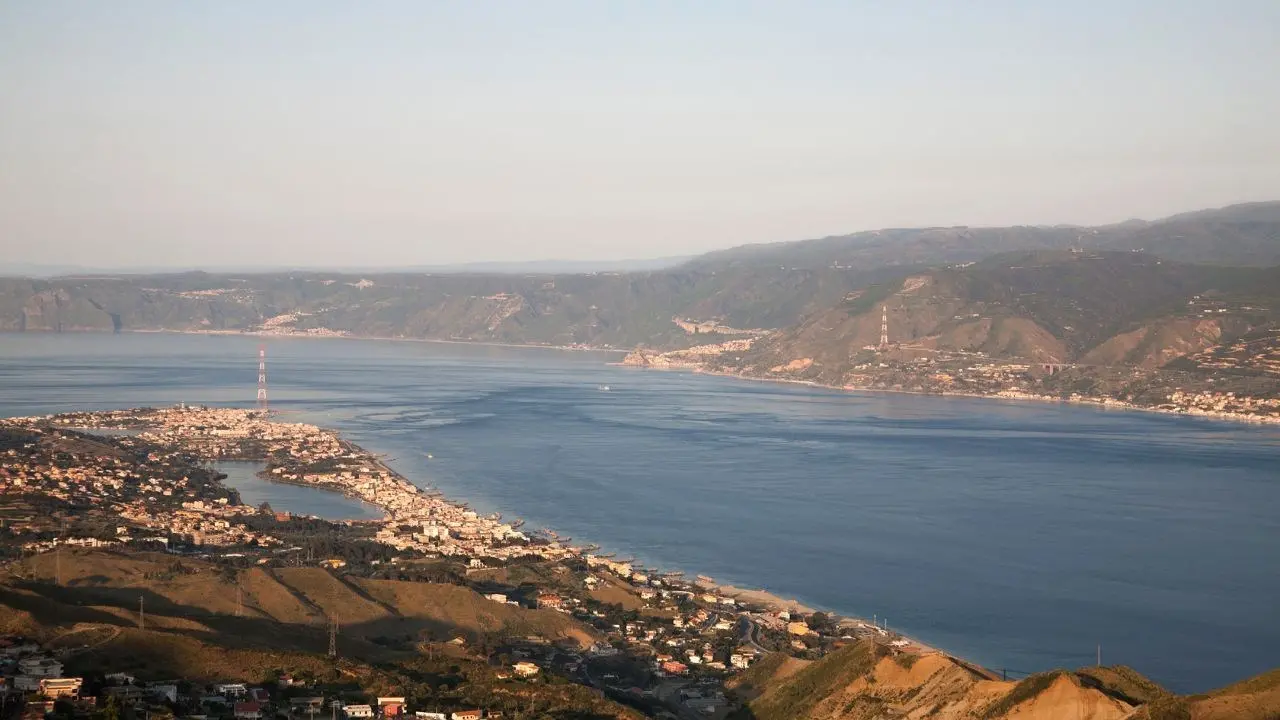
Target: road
(750,631)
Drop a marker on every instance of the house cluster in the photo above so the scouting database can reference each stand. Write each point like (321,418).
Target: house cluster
(307,455)
(145,496)
(29,675)
(1223,403)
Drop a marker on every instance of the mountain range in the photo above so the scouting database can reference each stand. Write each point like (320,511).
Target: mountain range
(1135,293)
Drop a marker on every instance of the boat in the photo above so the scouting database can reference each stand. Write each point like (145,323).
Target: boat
(603,388)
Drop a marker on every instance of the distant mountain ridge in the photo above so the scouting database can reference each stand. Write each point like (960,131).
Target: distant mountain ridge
(517,267)
(816,296)
(1246,234)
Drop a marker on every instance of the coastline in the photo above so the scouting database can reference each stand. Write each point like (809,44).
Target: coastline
(209,432)
(376,338)
(1020,397)
(769,600)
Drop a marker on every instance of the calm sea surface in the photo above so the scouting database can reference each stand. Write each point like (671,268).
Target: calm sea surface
(1019,535)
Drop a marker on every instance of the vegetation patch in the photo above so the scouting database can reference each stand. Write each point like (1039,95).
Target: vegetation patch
(1122,683)
(1261,683)
(1167,708)
(1028,689)
(804,690)
(871,296)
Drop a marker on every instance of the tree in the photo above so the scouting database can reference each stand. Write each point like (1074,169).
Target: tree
(820,621)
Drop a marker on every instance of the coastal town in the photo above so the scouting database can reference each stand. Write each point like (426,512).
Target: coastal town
(1223,396)
(146,480)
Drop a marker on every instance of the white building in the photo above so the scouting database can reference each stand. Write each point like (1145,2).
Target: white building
(40,667)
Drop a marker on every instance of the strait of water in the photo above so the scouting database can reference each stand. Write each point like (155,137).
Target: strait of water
(1018,535)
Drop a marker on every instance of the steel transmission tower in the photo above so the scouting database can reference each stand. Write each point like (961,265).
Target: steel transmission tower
(262,378)
(883,327)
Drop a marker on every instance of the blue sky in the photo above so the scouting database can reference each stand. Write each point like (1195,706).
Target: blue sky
(382,133)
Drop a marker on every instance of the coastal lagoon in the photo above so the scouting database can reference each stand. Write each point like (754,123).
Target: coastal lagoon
(1018,535)
(297,499)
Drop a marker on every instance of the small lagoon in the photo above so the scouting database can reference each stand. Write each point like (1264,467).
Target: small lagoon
(296,499)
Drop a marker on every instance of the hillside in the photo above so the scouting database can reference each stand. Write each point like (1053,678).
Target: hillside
(864,681)
(290,605)
(92,640)
(602,310)
(1086,308)
(751,287)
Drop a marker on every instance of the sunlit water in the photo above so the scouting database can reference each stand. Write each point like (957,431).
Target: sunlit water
(1019,535)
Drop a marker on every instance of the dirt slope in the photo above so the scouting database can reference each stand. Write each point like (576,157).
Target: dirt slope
(442,610)
(333,597)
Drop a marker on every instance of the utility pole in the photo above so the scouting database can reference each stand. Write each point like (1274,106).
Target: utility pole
(57,556)
(1099,654)
(239,602)
(142,615)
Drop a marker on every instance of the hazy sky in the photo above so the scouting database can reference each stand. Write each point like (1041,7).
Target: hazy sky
(417,132)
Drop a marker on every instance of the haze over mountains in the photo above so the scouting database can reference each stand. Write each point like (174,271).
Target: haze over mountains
(1122,293)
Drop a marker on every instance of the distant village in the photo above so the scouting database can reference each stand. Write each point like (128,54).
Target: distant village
(937,372)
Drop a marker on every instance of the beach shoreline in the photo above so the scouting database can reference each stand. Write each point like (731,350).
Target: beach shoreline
(1020,397)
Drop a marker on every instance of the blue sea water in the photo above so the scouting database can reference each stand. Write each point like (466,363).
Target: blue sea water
(1018,535)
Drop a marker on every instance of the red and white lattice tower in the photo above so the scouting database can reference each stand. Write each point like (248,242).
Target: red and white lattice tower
(884,326)
(262,378)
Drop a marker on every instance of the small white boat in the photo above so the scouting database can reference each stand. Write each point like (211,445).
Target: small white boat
(603,388)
